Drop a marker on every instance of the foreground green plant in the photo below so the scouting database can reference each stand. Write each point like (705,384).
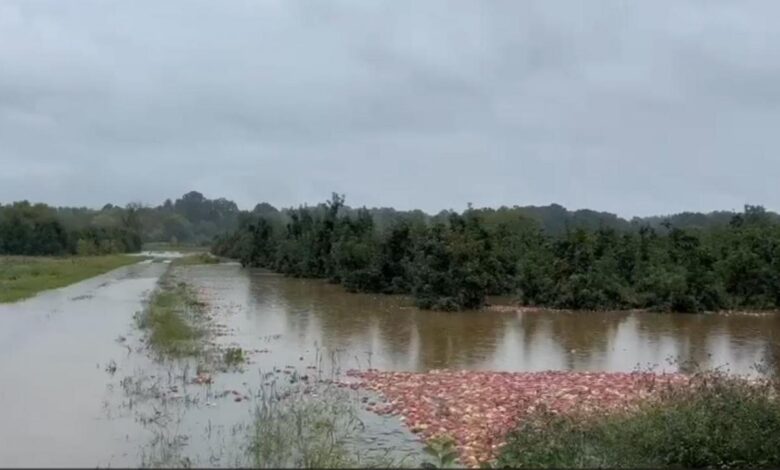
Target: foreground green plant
(718,421)
(22,276)
(443,451)
(174,319)
(308,433)
(308,426)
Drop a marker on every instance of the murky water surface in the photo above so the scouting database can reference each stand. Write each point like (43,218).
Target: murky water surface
(54,349)
(68,357)
(391,334)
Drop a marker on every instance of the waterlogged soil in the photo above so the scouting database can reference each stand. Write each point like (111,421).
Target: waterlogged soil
(80,387)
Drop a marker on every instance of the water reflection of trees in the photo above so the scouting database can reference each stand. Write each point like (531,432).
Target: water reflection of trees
(698,338)
(402,337)
(583,338)
(406,337)
(771,354)
(269,295)
(619,340)
(339,318)
(458,339)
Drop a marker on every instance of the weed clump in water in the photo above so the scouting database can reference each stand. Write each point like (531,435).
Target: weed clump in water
(304,432)
(310,425)
(716,421)
(233,357)
(173,320)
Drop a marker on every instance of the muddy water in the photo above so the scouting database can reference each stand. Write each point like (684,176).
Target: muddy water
(54,350)
(78,388)
(387,333)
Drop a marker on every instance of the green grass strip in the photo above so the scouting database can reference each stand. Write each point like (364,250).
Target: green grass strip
(22,277)
(174,320)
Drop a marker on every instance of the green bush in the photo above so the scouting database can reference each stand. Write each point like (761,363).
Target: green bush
(716,422)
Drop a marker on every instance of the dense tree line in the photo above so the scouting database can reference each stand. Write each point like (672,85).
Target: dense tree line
(191,219)
(545,256)
(37,229)
(455,260)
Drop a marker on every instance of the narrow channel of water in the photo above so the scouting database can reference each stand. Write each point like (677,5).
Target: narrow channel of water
(54,352)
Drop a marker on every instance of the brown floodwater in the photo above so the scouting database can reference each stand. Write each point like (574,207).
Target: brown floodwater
(390,333)
(79,388)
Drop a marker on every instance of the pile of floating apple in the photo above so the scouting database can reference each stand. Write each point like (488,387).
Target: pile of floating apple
(478,409)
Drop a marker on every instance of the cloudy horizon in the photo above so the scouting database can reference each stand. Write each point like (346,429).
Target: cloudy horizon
(635,108)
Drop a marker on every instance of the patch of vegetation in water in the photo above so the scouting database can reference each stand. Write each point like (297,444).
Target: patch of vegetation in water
(24,276)
(719,421)
(233,357)
(174,319)
(309,426)
(200,258)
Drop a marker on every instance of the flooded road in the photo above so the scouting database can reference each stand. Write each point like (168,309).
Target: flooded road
(54,351)
(80,389)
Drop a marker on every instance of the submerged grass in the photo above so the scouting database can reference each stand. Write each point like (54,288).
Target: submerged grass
(24,276)
(303,433)
(310,426)
(718,421)
(174,319)
(233,357)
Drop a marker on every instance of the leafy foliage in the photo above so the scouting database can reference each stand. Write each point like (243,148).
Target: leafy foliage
(443,451)
(35,230)
(545,256)
(720,422)
(454,261)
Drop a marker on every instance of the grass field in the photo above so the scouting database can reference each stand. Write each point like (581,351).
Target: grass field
(22,276)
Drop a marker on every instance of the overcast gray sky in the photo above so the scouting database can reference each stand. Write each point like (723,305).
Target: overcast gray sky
(635,107)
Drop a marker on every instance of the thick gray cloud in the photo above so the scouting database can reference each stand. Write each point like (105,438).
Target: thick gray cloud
(633,107)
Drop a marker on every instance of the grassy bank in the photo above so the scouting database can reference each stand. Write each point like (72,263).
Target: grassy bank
(718,421)
(174,320)
(22,277)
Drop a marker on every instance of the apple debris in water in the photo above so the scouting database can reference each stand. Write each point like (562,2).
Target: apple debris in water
(478,409)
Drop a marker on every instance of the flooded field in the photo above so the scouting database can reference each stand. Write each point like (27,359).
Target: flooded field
(391,334)
(80,388)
